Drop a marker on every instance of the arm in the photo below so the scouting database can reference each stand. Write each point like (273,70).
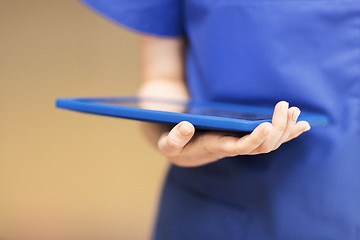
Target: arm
(162,61)
(163,76)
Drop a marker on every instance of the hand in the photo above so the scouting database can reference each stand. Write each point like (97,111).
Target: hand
(185,148)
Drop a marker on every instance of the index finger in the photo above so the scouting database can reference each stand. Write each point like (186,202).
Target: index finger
(232,146)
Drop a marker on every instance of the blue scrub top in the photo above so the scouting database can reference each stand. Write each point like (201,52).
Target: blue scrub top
(259,52)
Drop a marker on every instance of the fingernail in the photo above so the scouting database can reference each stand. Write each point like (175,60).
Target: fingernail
(184,130)
(307,128)
(296,114)
(284,107)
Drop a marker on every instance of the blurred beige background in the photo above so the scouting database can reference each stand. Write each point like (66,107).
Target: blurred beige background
(65,174)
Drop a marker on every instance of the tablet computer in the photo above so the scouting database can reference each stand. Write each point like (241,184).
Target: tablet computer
(203,115)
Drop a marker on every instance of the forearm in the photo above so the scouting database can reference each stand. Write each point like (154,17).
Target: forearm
(160,88)
(162,75)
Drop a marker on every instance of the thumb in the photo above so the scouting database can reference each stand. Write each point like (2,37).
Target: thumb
(172,143)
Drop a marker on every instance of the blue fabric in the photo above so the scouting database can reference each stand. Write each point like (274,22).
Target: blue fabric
(259,52)
(148,16)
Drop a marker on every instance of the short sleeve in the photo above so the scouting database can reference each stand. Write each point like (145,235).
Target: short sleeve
(157,17)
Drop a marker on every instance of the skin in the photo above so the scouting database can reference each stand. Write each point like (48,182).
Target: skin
(163,77)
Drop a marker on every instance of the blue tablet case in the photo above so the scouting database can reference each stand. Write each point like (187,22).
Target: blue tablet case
(203,115)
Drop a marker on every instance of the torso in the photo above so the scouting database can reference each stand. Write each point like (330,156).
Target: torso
(305,52)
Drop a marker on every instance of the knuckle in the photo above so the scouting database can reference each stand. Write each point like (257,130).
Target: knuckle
(281,127)
(254,140)
(265,149)
(241,150)
(171,143)
(231,148)
(168,147)
(201,142)
(163,149)
(210,142)
(226,146)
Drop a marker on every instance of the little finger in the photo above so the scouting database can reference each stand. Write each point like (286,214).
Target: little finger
(293,114)
(299,128)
